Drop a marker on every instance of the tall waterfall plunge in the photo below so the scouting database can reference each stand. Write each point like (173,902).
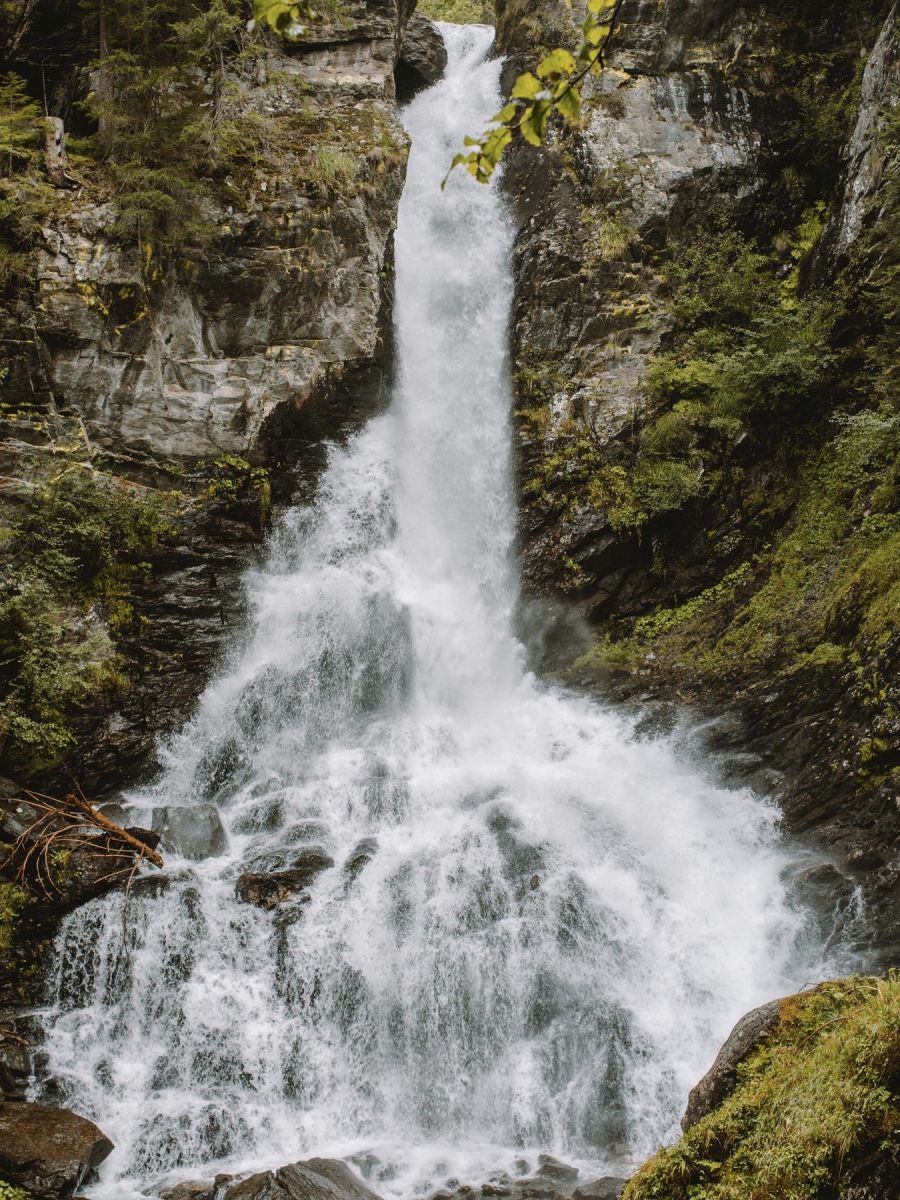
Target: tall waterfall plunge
(536,930)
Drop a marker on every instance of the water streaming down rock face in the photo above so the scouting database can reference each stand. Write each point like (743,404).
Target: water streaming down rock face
(535,930)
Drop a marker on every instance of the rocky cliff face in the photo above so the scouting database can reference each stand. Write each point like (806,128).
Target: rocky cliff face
(707,435)
(287,301)
(200,382)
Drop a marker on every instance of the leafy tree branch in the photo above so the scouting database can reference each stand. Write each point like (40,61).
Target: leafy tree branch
(553,87)
(285,18)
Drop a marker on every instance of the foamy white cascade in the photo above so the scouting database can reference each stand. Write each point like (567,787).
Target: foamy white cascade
(550,926)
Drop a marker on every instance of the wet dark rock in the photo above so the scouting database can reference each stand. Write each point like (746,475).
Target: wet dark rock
(188,1191)
(720,1080)
(610,1187)
(423,57)
(270,889)
(267,813)
(195,832)
(538,1189)
(554,1180)
(15,1063)
(313,860)
(48,1151)
(317,1179)
(559,1172)
(829,896)
(360,856)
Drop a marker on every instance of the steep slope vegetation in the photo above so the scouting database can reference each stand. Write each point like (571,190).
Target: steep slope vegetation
(705,346)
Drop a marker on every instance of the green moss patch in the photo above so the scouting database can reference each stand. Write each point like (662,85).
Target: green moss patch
(68,564)
(458,12)
(811,1105)
(12,900)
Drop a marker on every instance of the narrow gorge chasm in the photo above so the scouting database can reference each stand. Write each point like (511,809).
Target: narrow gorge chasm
(449,626)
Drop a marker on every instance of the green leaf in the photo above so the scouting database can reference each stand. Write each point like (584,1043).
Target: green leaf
(496,143)
(506,113)
(568,103)
(558,62)
(597,35)
(282,16)
(533,125)
(526,87)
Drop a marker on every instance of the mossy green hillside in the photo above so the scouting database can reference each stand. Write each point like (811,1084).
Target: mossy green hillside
(777,428)
(76,559)
(68,563)
(815,1107)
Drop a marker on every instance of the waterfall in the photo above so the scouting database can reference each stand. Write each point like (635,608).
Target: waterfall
(531,929)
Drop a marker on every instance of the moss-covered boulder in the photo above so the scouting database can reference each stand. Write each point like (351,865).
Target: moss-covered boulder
(814,1112)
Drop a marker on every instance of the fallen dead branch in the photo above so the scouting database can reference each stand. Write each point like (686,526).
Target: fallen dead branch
(70,826)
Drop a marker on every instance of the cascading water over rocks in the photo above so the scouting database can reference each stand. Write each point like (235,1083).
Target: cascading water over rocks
(520,929)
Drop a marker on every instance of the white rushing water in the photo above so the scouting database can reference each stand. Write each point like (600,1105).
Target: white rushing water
(536,930)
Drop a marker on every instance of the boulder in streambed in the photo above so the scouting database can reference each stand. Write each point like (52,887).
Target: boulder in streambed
(48,1151)
(360,856)
(189,1191)
(557,1172)
(317,1179)
(608,1188)
(194,832)
(719,1081)
(423,57)
(270,889)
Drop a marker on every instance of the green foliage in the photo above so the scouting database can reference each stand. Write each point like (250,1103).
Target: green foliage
(284,18)
(750,363)
(159,104)
(24,196)
(231,479)
(835,576)
(457,12)
(553,89)
(12,900)
(751,356)
(8,1192)
(67,567)
(333,163)
(20,124)
(818,1095)
(825,595)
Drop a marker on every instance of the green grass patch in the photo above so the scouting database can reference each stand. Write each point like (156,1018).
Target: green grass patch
(811,1102)
(458,12)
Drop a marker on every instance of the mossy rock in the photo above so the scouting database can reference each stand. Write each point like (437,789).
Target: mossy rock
(814,1114)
